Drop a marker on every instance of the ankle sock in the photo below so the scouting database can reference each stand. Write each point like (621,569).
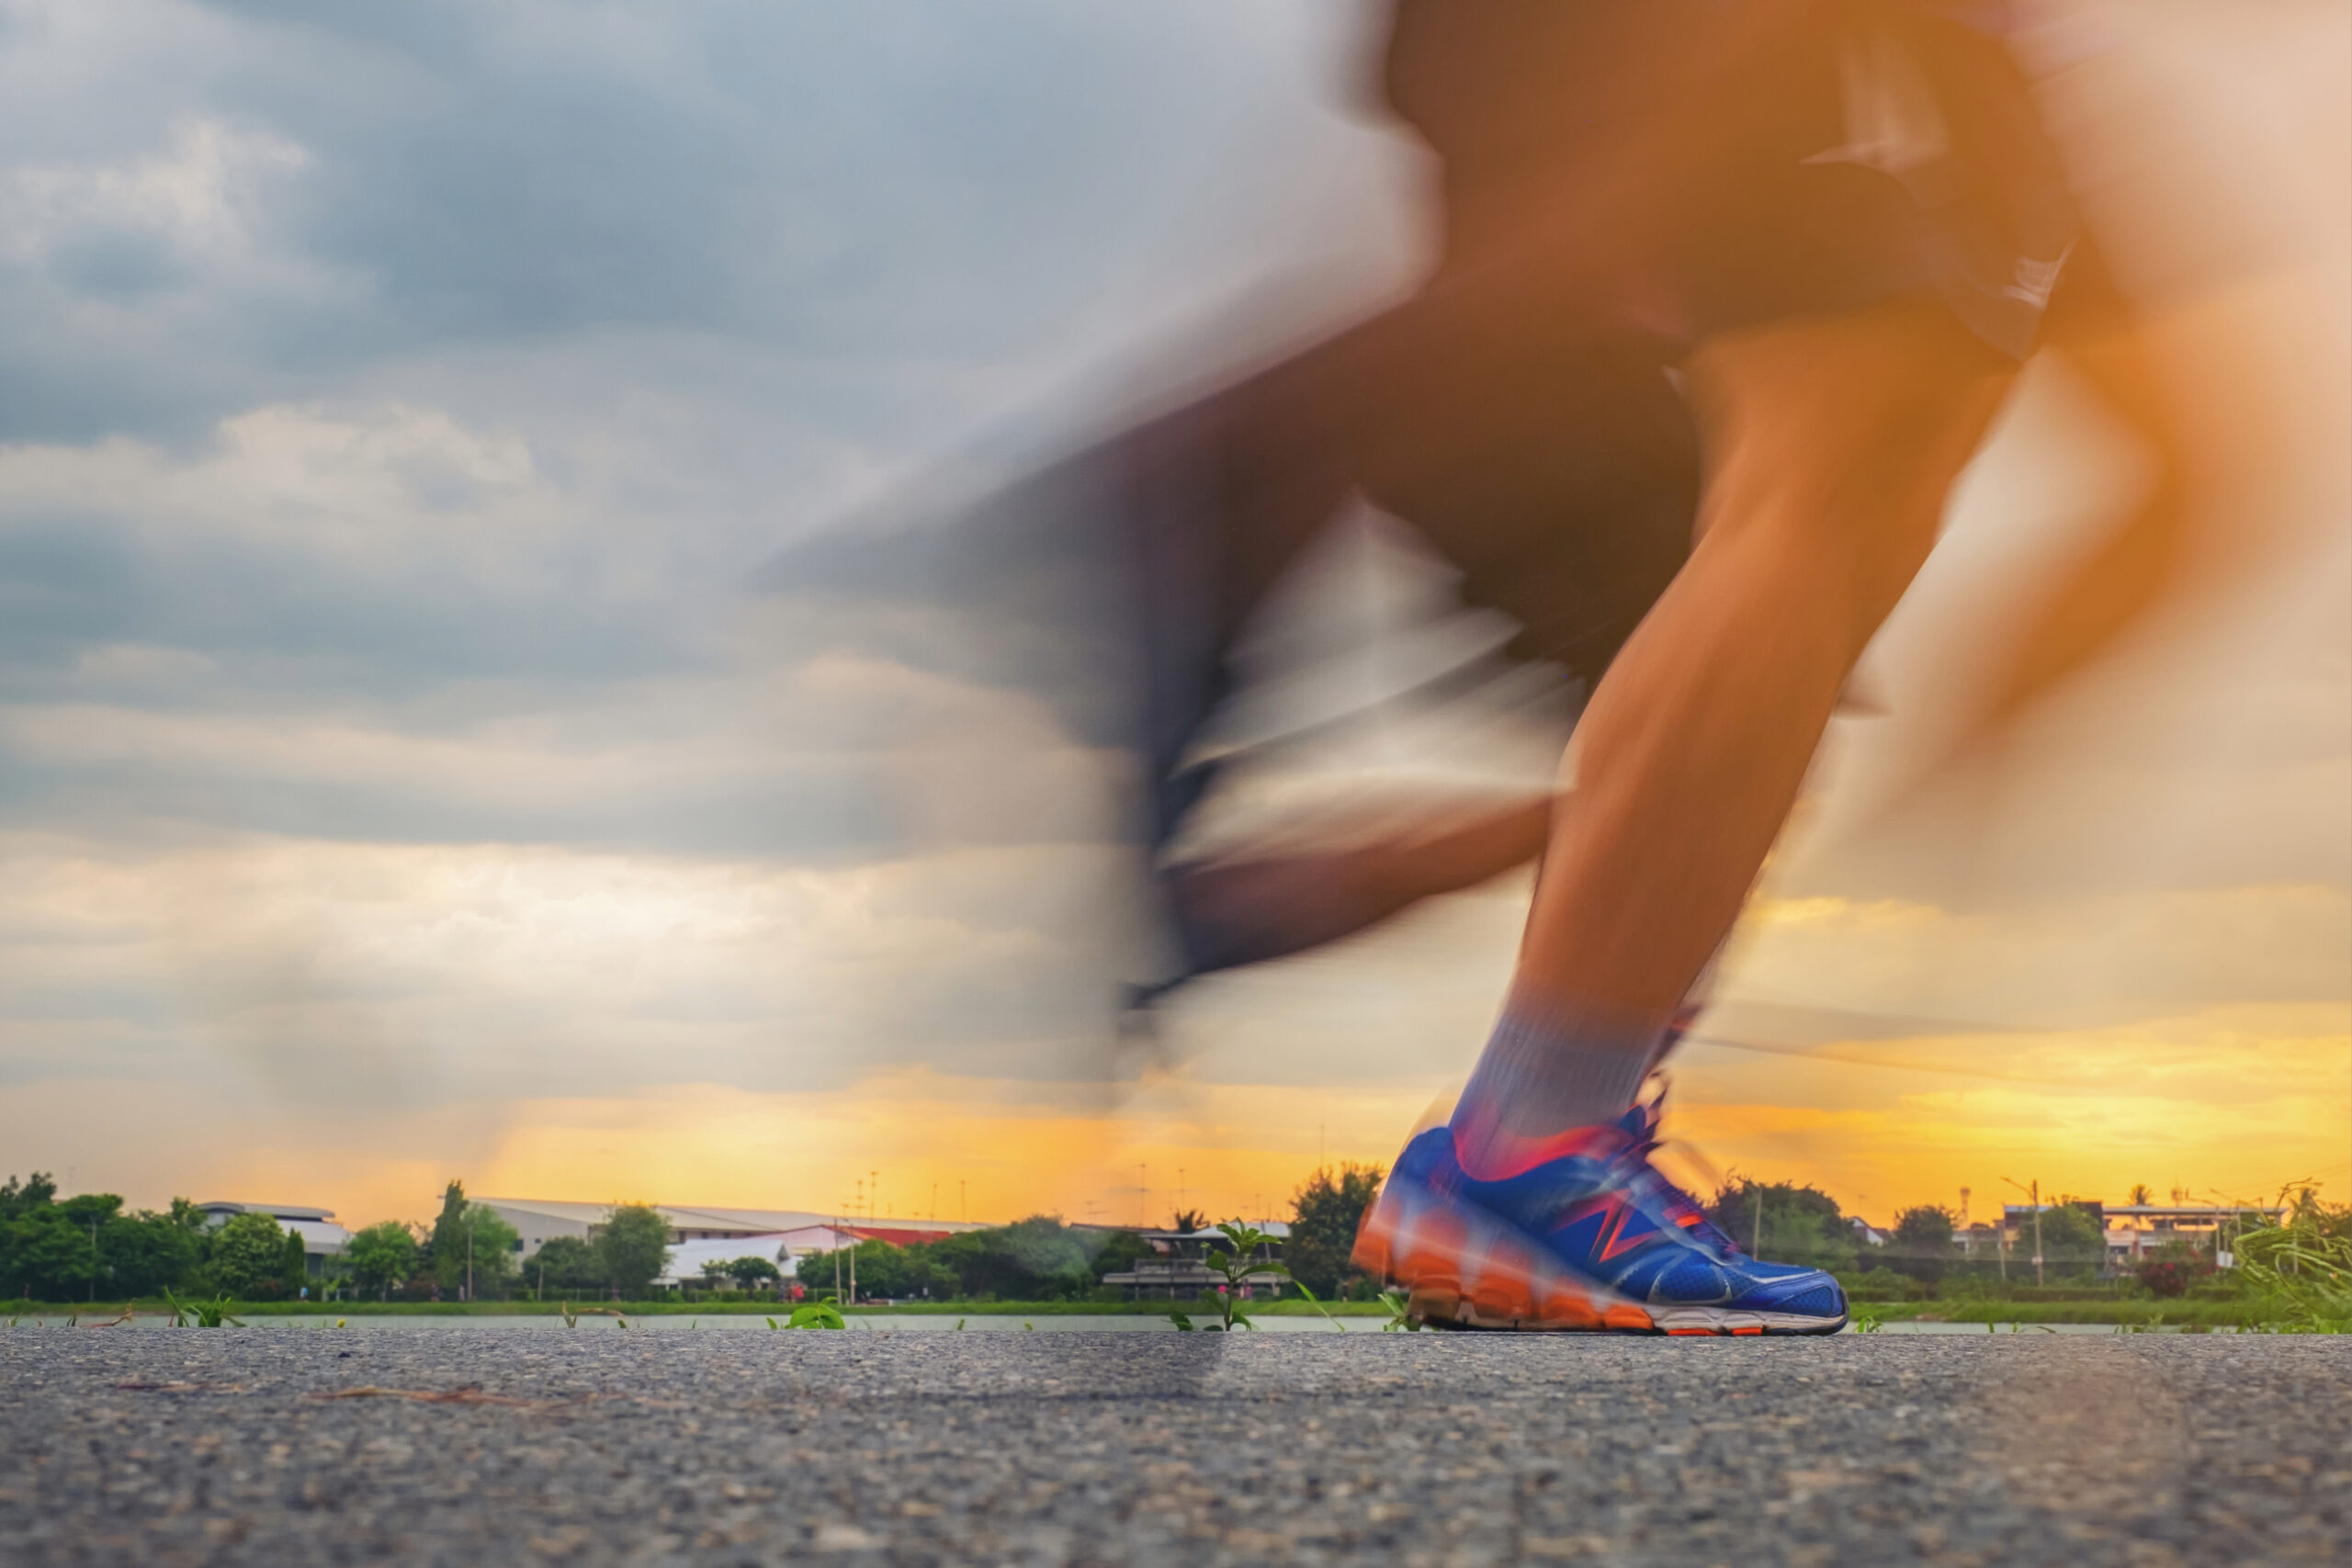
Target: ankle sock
(1545,1072)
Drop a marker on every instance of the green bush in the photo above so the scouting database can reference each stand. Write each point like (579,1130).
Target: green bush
(1884,1284)
(1036,1259)
(246,1257)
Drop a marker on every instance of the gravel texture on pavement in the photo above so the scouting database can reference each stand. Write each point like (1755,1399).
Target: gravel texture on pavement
(594,1447)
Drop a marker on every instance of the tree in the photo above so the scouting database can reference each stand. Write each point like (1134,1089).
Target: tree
(38,1190)
(751,1273)
(294,1262)
(2069,1232)
(79,1263)
(472,1247)
(447,1244)
(1923,1238)
(1188,1221)
(247,1254)
(1325,1214)
(1784,1223)
(634,1242)
(86,1245)
(1036,1259)
(714,1269)
(566,1263)
(2141,1196)
(145,1253)
(495,1247)
(382,1256)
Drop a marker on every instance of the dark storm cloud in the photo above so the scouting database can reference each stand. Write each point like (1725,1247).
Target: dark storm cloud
(422,367)
(897,181)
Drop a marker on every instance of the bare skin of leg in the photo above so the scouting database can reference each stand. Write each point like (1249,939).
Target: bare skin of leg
(1831,446)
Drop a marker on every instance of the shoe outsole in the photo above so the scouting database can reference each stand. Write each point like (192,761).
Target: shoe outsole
(1466,1270)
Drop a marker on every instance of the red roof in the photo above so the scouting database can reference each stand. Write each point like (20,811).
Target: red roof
(895,1237)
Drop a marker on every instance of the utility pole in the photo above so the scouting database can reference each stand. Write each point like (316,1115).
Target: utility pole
(1756,1226)
(2034,1195)
(1143,1196)
(872,1193)
(94,1258)
(470,1260)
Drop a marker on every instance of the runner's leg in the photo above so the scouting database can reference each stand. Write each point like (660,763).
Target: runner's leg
(1831,446)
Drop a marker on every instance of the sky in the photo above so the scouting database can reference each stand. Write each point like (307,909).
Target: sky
(419,757)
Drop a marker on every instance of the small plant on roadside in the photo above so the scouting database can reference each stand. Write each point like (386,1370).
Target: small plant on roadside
(1400,1319)
(572,1314)
(1865,1321)
(1316,1301)
(812,1314)
(203,1314)
(1235,1266)
(2301,1269)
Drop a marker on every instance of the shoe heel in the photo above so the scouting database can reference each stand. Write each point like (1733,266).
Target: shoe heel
(1434,1303)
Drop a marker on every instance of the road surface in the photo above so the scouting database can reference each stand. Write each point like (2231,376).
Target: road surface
(602,1446)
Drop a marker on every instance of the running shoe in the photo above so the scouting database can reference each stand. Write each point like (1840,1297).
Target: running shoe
(1592,1238)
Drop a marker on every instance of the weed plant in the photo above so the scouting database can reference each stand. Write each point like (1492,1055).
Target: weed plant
(213,1314)
(818,1315)
(1236,1267)
(2300,1270)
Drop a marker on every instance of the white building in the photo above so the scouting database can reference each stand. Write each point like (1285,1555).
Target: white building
(2134,1230)
(701,1234)
(321,1236)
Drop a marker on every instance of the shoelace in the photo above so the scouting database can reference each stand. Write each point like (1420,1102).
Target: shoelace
(1644,1177)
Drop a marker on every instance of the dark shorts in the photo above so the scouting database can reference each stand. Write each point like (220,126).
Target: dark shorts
(1855,151)
(1518,410)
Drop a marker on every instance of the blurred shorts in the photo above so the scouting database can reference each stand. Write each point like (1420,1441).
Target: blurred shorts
(1857,152)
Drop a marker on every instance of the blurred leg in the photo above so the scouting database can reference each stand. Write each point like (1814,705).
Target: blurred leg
(1250,908)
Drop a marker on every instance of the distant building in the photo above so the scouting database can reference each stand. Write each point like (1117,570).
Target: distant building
(1979,1239)
(785,1249)
(1179,1270)
(1865,1234)
(729,1233)
(321,1236)
(2135,1230)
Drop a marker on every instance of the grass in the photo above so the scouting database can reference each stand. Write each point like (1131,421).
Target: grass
(2178,1312)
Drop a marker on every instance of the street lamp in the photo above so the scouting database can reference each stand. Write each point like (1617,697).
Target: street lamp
(2033,1194)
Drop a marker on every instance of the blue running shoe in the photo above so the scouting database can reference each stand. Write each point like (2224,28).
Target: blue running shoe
(1589,1237)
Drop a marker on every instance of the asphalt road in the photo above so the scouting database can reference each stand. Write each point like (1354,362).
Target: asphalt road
(600,1446)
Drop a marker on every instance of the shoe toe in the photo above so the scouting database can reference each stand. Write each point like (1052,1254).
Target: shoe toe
(1801,1293)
